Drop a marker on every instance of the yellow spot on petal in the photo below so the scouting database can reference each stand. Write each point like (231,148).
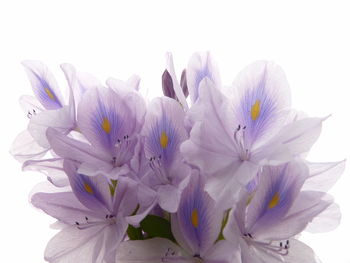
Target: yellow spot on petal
(88,188)
(194,218)
(106,125)
(163,140)
(274,200)
(49,93)
(255,110)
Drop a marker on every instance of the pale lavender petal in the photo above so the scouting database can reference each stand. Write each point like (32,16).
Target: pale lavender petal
(52,168)
(24,148)
(60,119)
(72,245)
(223,252)
(307,205)
(43,84)
(210,146)
(262,101)
(323,175)
(328,220)
(177,88)
(201,66)
(90,191)
(169,198)
(164,130)
(277,190)
(199,218)
(63,206)
(300,252)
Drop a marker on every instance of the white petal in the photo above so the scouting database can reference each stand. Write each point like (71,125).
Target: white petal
(25,147)
(72,245)
(299,252)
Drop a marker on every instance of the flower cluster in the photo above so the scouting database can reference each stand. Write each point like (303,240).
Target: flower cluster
(206,173)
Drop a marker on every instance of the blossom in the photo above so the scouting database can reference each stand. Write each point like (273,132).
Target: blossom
(266,221)
(46,109)
(110,121)
(233,136)
(94,214)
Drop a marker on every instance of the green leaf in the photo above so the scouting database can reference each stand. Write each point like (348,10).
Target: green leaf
(156,226)
(134,233)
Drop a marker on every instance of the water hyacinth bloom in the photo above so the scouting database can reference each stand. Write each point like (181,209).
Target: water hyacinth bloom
(196,227)
(232,136)
(163,133)
(110,122)
(94,214)
(45,109)
(266,221)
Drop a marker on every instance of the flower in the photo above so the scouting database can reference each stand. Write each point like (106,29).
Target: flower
(266,221)
(232,137)
(94,214)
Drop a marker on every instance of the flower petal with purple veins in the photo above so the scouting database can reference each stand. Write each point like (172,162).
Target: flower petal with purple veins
(44,84)
(198,218)
(262,101)
(200,66)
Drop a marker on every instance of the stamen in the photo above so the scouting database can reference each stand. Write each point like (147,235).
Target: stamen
(157,167)
(239,140)
(108,220)
(122,150)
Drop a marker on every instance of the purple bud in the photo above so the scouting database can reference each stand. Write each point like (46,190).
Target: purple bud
(167,84)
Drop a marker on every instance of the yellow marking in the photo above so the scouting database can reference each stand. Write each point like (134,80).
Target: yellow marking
(274,200)
(194,218)
(164,140)
(255,110)
(106,125)
(88,188)
(49,93)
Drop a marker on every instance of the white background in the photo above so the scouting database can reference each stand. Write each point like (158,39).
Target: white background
(309,39)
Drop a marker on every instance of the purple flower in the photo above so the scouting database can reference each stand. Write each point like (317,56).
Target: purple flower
(94,215)
(232,137)
(266,221)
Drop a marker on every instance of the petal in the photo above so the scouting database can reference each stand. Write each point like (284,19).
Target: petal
(278,188)
(201,66)
(73,245)
(103,118)
(91,191)
(71,77)
(306,207)
(43,84)
(326,221)
(262,102)
(64,206)
(69,148)
(59,119)
(169,198)
(164,130)
(30,105)
(210,146)
(292,140)
(52,168)
(199,218)
(177,88)
(323,175)
(300,252)
(26,148)
(223,252)
(156,250)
